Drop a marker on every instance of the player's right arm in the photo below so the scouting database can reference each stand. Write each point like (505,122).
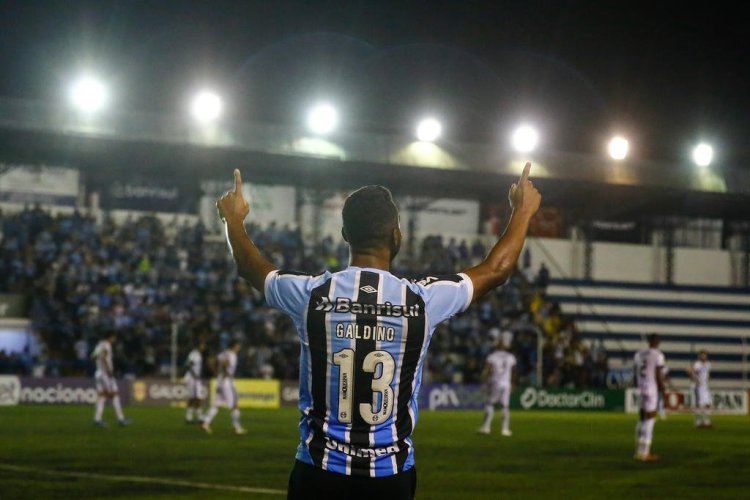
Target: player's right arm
(500,262)
(233,208)
(691,374)
(660,379)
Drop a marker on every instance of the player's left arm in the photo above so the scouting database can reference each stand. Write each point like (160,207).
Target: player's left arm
(660,379)
(501,260)
(233,208)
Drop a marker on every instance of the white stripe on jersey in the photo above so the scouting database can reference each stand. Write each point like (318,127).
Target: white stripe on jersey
(397,374)
(352,345)
(329,348)
(378,345)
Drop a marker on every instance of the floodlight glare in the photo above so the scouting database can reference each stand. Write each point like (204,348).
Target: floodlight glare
(88,95)
(206,107)
(618,148)
(703,154)
(525,139)
(429,130)
(322,119)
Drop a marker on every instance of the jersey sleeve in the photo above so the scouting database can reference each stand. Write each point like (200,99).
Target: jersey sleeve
(445,296)
(288,291)
(660,360)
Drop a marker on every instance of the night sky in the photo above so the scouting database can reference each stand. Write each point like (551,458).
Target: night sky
(665,75)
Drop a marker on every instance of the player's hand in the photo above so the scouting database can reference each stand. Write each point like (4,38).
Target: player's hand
(523,196)
(232,206)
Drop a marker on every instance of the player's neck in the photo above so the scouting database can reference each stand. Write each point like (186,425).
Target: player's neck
(375,259)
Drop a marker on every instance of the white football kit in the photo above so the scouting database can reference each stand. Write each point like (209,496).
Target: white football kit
(501,365)
(226,393)
(702,371)
(647,361)
(105,380)
(193,375)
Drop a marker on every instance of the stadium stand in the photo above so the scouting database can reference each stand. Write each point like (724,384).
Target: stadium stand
(689,318)
(141,277)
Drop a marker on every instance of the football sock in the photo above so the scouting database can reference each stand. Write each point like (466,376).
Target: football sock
(118,408)
(211,414)
(189,413)
(506,419)
(236,418)
(647,433)
(489,412)
(99,408)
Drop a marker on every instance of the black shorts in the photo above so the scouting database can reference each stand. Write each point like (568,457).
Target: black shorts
(311,483)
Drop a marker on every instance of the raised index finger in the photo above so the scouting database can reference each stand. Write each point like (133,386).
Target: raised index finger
(237,182)
(525,174)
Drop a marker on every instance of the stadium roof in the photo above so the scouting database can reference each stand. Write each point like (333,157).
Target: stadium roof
(32,132)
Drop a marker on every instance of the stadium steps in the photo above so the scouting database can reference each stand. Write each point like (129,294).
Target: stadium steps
(688,318)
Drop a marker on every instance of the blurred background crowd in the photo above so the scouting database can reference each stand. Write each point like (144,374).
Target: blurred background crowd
(146,280)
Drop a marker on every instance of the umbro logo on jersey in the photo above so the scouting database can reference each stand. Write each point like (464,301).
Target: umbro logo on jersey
(368,289)
(344,305)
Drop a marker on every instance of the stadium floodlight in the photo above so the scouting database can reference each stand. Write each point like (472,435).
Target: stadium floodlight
(429,130)
(703,154)
(206,106)
(618,148)
(525,138)
(88,95)
(322,119)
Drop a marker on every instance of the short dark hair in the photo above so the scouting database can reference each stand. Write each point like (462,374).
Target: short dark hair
(370,216)
(652,338)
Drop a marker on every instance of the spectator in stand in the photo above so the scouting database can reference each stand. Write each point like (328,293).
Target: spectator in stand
(542,278)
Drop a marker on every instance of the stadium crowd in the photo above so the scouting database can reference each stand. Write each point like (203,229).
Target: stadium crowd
(142,278)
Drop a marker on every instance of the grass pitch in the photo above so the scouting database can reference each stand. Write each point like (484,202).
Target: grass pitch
(54,452)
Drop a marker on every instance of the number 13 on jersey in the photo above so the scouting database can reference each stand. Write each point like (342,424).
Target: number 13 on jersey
(371,412)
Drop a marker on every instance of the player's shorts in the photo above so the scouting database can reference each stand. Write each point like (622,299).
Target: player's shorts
(498,394)
(195,388)
(308,482)
(226,393)
(649,402)
(105,383)
(702,396)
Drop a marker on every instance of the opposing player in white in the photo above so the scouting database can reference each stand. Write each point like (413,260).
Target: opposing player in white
(700,373)
(649,364)
(106,385)
(196,391)
(226,392)
(497,377)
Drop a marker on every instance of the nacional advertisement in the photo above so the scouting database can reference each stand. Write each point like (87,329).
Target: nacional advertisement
(724,402)
(10,390)
(65,391)
(472,397)
(49,185)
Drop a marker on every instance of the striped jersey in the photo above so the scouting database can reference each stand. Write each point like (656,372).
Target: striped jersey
(364,335)
(194,364)
(501,363)
(228,357)
(646,362)
(103,356)
(701,371)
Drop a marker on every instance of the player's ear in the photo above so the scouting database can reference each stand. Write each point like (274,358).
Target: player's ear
(395,242)
(343,234)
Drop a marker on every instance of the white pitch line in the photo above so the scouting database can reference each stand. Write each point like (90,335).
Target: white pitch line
(143,479)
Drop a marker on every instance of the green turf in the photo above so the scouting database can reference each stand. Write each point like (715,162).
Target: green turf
(551,455)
